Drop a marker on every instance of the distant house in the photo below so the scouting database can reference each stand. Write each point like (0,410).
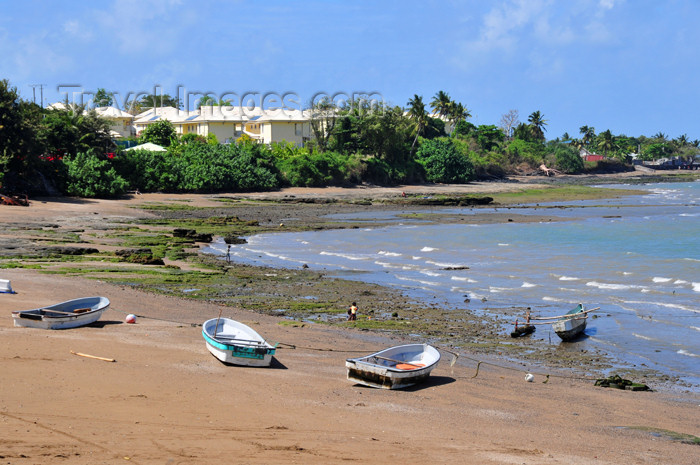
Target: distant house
(150,116)
(228,123)
(120,122)
(590,156)
(281,125)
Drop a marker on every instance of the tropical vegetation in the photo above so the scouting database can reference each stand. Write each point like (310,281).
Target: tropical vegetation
(71,152)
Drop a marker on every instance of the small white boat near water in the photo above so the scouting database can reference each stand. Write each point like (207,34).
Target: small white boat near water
(69,314)
(394,368)
(233,342)
(571,325)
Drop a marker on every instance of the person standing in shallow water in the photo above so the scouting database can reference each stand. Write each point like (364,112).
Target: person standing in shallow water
(352,312)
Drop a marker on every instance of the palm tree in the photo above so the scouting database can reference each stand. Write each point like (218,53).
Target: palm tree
(456,113)
(537,123)
(578,143)
(417,112)
(660,135)
(607,141)
(588,133)
(441,104)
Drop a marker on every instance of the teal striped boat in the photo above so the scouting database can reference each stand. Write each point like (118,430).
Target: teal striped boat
(235,343)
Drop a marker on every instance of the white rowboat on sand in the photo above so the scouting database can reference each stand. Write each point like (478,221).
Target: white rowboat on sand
(69,314)
(233,342)
(394,368)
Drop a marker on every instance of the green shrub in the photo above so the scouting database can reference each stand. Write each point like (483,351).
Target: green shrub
(520,150)
(87,175)
(568,159)
(315,169)
(443,163)
(147,171)
(217,168)
(162,133)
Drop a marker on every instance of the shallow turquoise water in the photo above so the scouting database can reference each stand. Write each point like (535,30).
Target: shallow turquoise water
(638,258)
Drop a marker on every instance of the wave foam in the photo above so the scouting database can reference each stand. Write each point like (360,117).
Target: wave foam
(430,273)
(389,254)
(345,255)
(685,352)
(663,304)
(568,278)
(526,284)
(646,338)
(617,287)
(428,249)
(657,279)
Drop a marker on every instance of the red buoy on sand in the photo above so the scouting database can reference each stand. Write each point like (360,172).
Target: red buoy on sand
(131,318)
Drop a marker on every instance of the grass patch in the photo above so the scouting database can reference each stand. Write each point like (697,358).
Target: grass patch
(668,434)
(562,194)
(291,323)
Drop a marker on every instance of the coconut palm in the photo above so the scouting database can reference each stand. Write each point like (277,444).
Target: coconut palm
(578,143)
(441,104)
(606,141)
(588,133)
(457,112)
(682,140)
(417,112)
(537,123)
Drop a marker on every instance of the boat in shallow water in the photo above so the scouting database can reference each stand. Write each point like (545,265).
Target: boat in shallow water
(69,314)
(233,342)
(571,325)
(394,368)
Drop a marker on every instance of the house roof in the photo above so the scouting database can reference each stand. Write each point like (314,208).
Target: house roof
(113,112)
(153,114)
(285,115)
(210,114)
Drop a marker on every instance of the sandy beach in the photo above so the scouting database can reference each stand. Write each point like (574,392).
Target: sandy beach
(166,400)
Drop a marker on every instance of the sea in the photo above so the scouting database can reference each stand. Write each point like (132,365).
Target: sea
(636,257)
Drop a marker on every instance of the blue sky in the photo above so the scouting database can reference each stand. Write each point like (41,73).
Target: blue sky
(631,66)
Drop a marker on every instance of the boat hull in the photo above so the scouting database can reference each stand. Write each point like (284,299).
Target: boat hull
(49,318)
(234,343)
(571,327)
(379,370)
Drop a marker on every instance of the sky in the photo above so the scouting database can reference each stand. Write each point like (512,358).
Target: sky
(631,66)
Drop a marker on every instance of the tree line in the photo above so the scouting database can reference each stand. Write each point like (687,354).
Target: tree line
(47,151)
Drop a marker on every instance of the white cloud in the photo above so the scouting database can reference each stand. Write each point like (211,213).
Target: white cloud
(518,29)
(74,28)
(137,26)
(501,24)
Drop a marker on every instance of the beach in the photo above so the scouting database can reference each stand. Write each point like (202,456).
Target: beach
(166,400)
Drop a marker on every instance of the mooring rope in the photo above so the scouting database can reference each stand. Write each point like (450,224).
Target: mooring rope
(285,345)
